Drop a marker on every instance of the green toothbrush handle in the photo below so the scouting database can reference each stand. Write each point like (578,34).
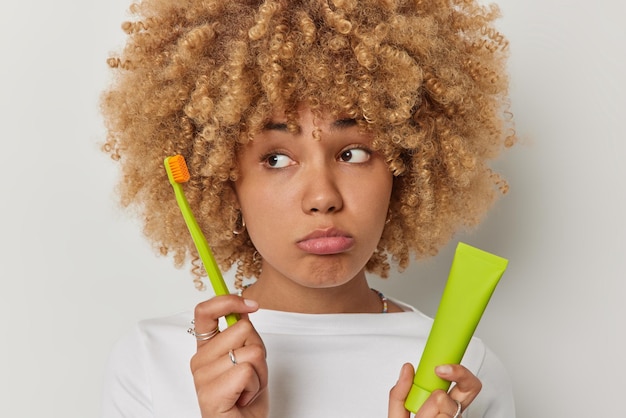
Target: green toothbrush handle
(206,255)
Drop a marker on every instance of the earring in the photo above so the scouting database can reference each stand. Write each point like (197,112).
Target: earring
(240,226)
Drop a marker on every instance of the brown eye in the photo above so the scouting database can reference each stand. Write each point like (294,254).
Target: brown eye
(278,161)
(355,155)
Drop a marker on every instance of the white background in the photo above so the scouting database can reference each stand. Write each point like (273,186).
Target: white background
(76,272)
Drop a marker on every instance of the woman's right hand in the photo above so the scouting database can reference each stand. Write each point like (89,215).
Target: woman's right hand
(229,369)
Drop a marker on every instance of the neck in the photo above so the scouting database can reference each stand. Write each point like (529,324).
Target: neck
(354,296)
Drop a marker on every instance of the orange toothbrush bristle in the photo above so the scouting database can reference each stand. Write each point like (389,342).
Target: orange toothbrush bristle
(179,170)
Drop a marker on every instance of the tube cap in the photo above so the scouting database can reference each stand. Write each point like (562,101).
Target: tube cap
(416,398)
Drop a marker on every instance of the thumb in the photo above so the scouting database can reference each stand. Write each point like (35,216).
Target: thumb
(398,394)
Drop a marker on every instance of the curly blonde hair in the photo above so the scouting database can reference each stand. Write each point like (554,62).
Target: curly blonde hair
(201,77)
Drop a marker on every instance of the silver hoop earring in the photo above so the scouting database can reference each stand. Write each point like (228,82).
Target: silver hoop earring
(240,225)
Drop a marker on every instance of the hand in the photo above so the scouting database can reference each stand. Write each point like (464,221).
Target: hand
(230,387)
(440,404)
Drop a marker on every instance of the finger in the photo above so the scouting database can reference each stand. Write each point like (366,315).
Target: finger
(211,360)
(398,394)
(207,313)
(205,371)
(439,404)
(238,335)
(467,385)
(236,387)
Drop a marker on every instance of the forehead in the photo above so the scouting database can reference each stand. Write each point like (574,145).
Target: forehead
(302,118)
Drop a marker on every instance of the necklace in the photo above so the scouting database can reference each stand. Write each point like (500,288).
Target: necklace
(382,297)
(383,300)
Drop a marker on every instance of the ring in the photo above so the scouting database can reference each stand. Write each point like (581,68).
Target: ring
(457,414)
(204,336)
(231,354)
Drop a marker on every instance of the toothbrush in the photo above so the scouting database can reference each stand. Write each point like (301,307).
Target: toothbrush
(178,173)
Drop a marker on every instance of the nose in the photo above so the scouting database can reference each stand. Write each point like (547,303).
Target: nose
(321,192)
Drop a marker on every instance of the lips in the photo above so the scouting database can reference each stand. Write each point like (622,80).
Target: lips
(326,242)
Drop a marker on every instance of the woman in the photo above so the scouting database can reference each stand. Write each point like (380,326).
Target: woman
(323,138)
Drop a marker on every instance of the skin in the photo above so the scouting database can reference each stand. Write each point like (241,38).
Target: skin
(332,186)
(315,209)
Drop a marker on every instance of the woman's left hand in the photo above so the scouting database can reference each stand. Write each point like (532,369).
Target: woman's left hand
(440,404)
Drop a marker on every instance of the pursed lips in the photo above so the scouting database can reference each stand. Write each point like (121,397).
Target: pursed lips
(326,242)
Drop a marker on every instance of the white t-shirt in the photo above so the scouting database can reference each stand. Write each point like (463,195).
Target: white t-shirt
(331,366)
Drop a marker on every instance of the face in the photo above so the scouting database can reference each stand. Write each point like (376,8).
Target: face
(315,208)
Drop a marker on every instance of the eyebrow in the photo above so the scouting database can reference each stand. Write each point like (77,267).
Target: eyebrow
(336,125)
(275,126)
(343,124)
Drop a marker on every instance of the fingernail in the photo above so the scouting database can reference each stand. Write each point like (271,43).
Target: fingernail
(445,369)
(251,303)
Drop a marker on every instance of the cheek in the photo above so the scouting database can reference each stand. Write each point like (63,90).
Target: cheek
(262,200)
(378,196)
(264,213)
(269,234)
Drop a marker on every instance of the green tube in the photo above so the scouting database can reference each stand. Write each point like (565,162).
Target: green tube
(473,277)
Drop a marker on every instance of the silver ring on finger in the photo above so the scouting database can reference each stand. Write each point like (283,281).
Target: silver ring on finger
(457,414)
(231,355)
(204,336)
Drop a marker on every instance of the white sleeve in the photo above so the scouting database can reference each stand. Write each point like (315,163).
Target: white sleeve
(495,399)
(126,384)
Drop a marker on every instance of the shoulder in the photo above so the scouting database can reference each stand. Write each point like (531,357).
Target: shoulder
(152,340)
(168,330)
(144,364)
(151,335)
